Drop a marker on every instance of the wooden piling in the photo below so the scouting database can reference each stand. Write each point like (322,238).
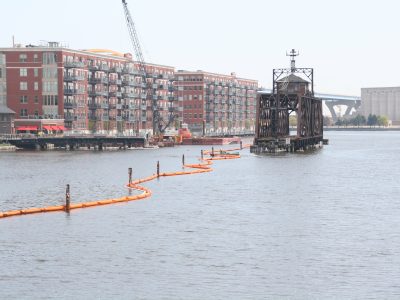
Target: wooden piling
(183,160)
(158,168)
(67,199)
(130,175)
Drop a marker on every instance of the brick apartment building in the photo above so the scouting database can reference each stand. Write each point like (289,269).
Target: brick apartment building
(222,104)
(102,91)
(91,91)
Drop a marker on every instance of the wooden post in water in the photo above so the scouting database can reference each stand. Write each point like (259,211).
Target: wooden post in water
(67,199)
(183,160)
(158,168)
(202,154)
(130,175)
(241,145)
(212,151)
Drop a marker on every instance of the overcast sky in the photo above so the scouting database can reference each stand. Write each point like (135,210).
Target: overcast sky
(350,43)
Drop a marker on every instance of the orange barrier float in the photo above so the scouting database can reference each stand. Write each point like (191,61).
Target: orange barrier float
(203,167)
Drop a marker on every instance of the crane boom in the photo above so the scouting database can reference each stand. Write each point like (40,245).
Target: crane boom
(134,38)
(157,119)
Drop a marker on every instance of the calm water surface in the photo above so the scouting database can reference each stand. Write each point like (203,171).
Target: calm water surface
(323,225)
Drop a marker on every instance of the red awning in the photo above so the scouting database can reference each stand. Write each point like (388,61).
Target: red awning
(54,128)
(47,127)
(26,128)
(61,128)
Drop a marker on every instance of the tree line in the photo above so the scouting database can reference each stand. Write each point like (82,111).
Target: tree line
(371,120)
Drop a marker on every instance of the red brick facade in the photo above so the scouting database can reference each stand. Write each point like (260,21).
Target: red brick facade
(92,92)
(222,104)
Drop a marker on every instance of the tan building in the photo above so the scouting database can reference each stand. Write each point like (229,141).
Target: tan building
(383,101)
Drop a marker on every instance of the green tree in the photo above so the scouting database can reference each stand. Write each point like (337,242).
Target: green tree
(382,121)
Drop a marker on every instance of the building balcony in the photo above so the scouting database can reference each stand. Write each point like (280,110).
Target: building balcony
(74,64)
(112,106)
(118,82)
(93,105)
(105,118)
(116,70)
(143,85)
(94,80)
(131,119)
(104,68)
(93,68)
(171,98)
(118,94)
(118,118)
(133,106)
(69,117)
(98,94)
(69,105)
(143,119)
(171,109)
(71,78)
(143,96)
(70,92)
(154,86)
(171,88)
(119,106)
(104,105)
(143,107)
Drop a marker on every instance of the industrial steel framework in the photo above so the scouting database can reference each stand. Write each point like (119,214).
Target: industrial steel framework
(273,110)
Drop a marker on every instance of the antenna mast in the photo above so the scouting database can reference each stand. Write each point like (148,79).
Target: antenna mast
(293,55)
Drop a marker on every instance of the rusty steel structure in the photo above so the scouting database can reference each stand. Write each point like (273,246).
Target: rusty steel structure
(294,95)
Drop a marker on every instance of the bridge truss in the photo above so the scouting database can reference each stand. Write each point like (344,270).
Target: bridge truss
(274,109)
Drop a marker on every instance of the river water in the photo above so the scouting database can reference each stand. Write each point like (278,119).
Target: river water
(321,225)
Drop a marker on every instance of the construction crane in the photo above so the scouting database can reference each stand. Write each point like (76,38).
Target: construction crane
(159,125)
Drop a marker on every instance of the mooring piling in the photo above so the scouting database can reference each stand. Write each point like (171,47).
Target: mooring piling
(67,199)
(130,175)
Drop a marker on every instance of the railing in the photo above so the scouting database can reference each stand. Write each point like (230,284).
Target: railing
(93,105)
(69,117)
(70,92)
(69,105)
(69,78)
(74,64)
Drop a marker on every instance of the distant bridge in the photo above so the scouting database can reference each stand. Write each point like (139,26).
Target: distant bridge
(332,100)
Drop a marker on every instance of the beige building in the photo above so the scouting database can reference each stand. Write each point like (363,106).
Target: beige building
(384,101)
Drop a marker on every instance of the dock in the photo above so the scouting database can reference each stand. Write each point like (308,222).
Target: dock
(76,142)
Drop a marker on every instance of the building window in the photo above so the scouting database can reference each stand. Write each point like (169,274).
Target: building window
(1,72)
(23,86)
(24,112)
(23,72)
(35,58)
(23,99)
(36,99)
(36,72)
(23,58)
(36,113)
(36,86)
